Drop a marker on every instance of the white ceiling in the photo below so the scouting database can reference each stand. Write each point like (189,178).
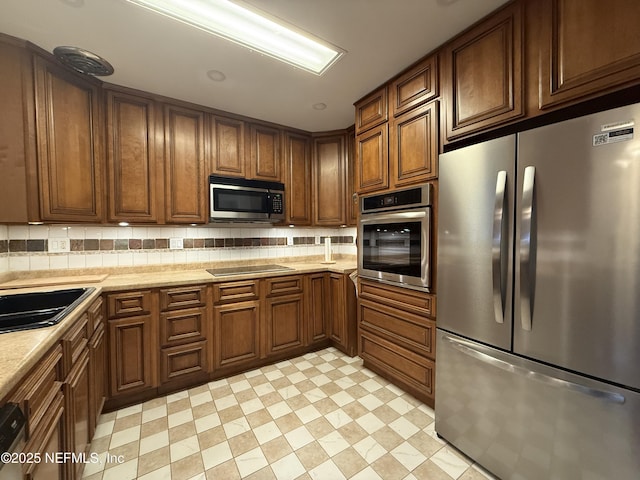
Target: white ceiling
(153,53)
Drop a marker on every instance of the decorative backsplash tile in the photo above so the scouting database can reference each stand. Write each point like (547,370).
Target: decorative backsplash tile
(24,248)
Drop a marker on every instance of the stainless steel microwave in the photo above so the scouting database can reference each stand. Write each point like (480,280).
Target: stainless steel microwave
(242,200)
(394,235)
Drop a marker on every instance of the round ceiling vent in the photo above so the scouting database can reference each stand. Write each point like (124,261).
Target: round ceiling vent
(83,61)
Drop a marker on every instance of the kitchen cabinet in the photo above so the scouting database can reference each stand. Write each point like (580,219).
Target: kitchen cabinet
(227,146)
(586,49)
(342,311)
(414,145)
(482,74)
(184,335)
(297,161)
(372,159)
(186,177)
(132,326)
(69,144)
(353,208)
(316,302)
(134,165)
(415,86)
(329,180)
(396,332)
(265,153)
(284,315)
(236,333)
(372,110)
(98,371)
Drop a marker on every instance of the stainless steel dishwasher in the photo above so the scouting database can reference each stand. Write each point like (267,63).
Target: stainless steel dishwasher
(12,438)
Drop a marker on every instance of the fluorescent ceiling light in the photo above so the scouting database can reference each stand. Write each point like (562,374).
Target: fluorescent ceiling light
(260,32)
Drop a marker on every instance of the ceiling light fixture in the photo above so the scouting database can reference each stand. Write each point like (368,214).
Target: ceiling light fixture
(257,31)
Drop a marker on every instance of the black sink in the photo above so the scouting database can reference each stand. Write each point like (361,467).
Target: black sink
(24,311)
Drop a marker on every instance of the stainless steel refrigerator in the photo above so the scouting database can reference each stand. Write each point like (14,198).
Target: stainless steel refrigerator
(538,347)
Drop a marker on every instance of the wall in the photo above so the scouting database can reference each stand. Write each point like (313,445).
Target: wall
(25,248)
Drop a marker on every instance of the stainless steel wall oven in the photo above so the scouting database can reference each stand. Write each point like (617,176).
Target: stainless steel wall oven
(394,235)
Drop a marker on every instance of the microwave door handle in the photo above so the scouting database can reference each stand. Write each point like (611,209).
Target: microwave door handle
(497,244)
(527,251)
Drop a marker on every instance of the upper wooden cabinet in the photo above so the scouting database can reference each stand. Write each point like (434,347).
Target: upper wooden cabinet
(587,48)
(186,178)
(297,165)
(352,196)
(372,110)
(414,87)
(372,159)
(414,145)
(69,145)
(329,178)
(226,152)
(482,74)
(133,168)
(264,144)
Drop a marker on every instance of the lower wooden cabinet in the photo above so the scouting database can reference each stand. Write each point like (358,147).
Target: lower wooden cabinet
(98,376)
(236,333)
(317,292)
(76,396)
(132,352)
(396,336)
(342,308)
(284,321)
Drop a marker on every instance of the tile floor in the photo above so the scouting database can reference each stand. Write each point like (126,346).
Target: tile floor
(320,416)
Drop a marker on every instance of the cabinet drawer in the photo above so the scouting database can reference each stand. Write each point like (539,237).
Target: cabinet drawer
(183,360)
(408,367)
(184,325)
(183,297)
(40,388)
(413,301)
(411,331)
(96,316)
(283,285)
(240,291)
(74,343)
(128,304)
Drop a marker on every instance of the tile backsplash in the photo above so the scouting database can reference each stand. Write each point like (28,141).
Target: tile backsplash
(26,248)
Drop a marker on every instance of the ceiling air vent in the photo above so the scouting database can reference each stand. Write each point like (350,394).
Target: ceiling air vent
(83,61)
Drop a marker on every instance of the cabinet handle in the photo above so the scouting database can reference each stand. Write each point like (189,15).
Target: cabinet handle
(527,253)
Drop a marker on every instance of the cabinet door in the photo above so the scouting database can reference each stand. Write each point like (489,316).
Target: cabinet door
(372,172)
(185,174)
(236,333)
(265,153)
(482,74)
(227,138)
(132,346)
(414,145)
(68,144)
(352,196)
(329,178)
(337,327)
(414,87)
(372,110)
(284,318)
(76,396)
(98,375)
(297,162)
(132,165)
(317,291)
(588,48)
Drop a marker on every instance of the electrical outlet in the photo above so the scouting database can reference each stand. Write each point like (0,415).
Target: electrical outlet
(317,240)
(176,244)
(58,245)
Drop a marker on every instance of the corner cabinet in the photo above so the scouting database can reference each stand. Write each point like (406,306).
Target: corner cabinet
(587,48)
(186,178)
(69,144)
(329,180)
(482,75)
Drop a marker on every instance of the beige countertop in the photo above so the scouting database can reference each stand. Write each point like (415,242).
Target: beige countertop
(20,351)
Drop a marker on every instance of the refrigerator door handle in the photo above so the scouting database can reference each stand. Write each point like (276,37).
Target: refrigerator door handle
(468,349)
(527,216)
(496,246)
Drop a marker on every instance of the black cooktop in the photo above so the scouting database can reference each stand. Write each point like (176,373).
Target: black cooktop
(219,272)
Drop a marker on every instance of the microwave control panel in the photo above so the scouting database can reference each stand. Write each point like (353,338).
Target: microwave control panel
(277,203)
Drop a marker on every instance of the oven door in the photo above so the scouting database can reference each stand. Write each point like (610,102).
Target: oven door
(395,248)
(236,203)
